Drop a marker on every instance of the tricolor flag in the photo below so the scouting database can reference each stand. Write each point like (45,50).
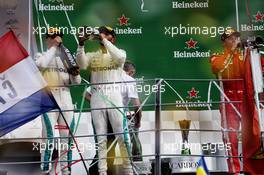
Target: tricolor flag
(202,168)
(23,96)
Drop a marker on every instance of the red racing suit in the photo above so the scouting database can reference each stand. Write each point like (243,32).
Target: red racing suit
(230,65)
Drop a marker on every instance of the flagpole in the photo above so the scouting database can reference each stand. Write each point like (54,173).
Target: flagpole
(71,134)
(29,27)
(237,16)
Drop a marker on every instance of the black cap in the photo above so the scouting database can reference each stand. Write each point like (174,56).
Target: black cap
(107,30)
(53,32)
(229,32)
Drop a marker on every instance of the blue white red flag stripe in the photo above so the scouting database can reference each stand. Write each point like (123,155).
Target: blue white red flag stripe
(11,51)
(26,110)
(23,93)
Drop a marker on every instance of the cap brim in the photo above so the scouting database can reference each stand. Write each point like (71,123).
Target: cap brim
(104,29)
(223,38)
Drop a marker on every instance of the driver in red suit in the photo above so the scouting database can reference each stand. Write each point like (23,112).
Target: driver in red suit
(230,65)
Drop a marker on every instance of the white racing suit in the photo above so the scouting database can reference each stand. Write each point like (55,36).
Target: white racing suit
(107,67)
(55,74)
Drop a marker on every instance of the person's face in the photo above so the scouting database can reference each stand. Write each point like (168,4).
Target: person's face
(54,40)
(110,38)
(131,72)
(232,41)
(49,41)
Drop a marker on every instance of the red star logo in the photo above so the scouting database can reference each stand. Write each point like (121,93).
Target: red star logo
(259,17)
(123,20)
(193,93)
(191,44)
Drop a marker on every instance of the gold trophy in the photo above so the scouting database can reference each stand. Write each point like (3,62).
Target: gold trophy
(185,125)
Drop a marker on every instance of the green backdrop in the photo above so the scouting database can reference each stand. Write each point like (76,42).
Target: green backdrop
(155,33)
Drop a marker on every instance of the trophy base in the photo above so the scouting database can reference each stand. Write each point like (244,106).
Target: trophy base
(143,167)
(184,165)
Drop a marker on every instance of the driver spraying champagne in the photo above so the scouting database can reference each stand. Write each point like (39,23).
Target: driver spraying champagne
(106,66)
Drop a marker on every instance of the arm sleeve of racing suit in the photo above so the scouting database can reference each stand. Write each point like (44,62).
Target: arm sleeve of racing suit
(118,55)
(217,63)
(82,58)
(43,60)
(132,90)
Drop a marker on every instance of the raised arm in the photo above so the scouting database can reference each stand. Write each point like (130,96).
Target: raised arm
(43,60)
(82,58)
(117,54)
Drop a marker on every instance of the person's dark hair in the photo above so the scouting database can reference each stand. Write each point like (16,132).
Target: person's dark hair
(53,32)
(129,65)
(229,32)
(107,30)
